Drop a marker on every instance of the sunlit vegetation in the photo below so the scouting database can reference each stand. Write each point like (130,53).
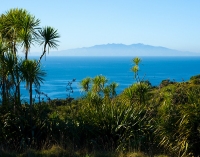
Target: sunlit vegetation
(141,121)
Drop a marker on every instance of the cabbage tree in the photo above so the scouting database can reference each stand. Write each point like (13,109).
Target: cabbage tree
(48,38)
(32,73)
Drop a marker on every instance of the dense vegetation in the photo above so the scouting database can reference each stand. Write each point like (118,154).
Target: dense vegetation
(152,120)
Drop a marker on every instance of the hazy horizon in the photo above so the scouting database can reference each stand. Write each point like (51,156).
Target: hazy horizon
(113,49)
(171,24)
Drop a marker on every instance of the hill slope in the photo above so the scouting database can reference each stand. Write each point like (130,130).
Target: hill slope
(123,50)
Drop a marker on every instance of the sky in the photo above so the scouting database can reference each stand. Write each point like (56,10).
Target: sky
(173,24)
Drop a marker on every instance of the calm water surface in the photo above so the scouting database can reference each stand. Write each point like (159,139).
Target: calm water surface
(61,70)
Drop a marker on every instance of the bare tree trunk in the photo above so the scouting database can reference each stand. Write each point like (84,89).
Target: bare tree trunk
(17,94)
(31,97)
(3,91)
(26,55)
(42,53)
(31,110)
(3,83)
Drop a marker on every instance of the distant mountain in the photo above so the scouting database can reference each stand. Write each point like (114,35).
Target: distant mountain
(123,50)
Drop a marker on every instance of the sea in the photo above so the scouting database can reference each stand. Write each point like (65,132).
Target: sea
(65,72)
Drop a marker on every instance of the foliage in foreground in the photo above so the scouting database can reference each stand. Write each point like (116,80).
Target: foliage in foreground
(161,120)
(152,120)
(57,151)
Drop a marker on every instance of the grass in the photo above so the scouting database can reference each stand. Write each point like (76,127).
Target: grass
(57,151)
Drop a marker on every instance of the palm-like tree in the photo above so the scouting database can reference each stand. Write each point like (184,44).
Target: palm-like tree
(85,84)
(11,26)
(135,68)
(29,34)
(10,68)
(10,29)
(113,87)
(98,84)
(19,27)
(109,92)
(48,37)
(3,49)
(32,73)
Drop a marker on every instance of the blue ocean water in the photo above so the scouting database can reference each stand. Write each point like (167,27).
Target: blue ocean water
(61,70)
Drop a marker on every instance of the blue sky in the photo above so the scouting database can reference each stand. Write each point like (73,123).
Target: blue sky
(82,23)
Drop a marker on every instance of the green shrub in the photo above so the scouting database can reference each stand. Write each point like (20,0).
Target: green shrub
(165,83)
(195,79)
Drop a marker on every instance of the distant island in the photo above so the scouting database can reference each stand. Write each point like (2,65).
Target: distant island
(123,50)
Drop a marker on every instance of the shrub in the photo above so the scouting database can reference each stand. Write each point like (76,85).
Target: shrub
(195,79)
